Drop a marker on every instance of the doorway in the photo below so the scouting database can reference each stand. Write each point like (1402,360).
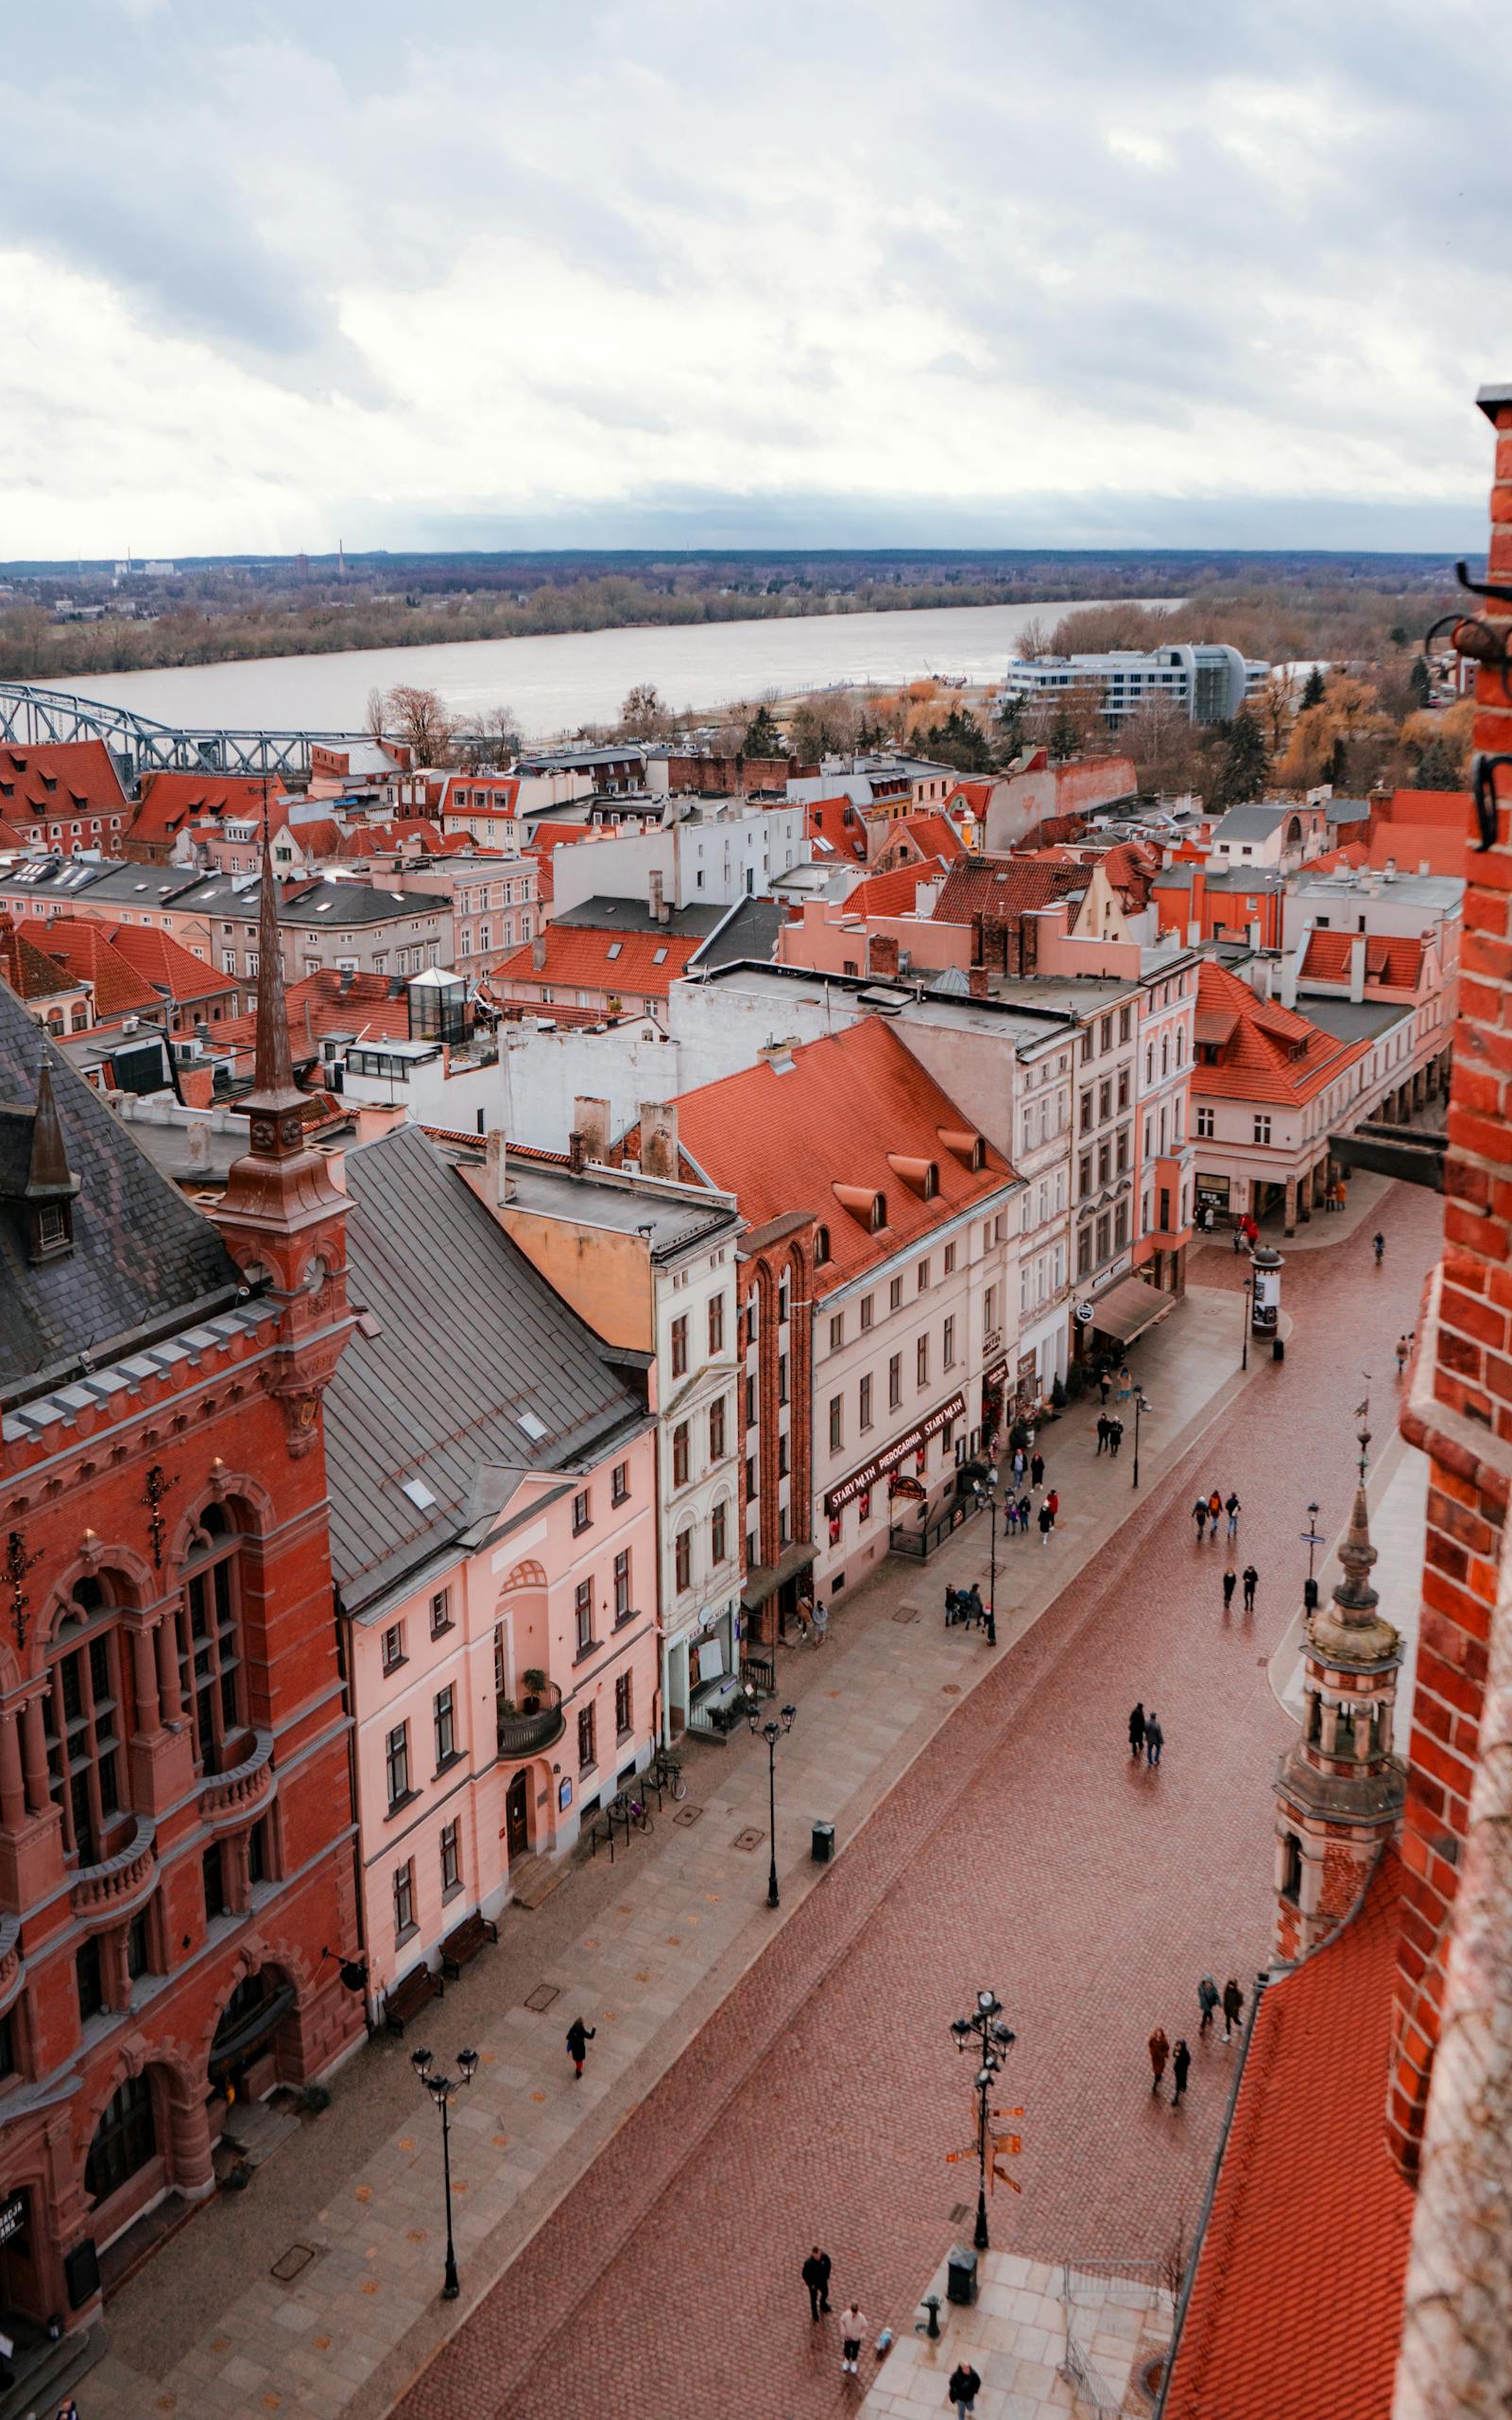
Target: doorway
(517,1816)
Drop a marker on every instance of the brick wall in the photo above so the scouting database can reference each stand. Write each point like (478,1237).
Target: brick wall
(1460,1405)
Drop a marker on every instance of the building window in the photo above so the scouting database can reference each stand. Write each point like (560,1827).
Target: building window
(445,1713)
(781,1377)
(622,1585)
(210,1675)
(751,1481)
(7,2046)
(837,1333)
(404,1900)
(821,1246)
(582,1517)
(88,1973)
(1104,1100)
(441,1613)
(989,1310)
(83,1729)
(583,1614)
(1122,1088)
(125,2139)
(396,1765)
(1084,1253)
(1262,1129)
(865,1311)
(921,1359)
(680,1458)
(451,1860)
(394,1647)
(895,1294)
(1292,1874)
(716,1323)
(586,1738)
(895,1381)
(679,1345)
(1124,1025)
(866,1402)
(717,1431)
(1085,1113)
(138,1959)
(949,1344)
(836,1423)
(751,1403)
(719,1534)
(1104,1035)
(1119,1226)
(624,1705)
(619,1486)
(923,1276)
(212,1876)
(1204,1123)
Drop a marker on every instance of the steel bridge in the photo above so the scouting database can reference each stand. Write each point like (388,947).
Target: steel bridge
(30,717)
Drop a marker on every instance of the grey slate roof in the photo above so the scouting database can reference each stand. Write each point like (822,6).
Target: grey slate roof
(1256,822)
(748,933)
(140,1252)
(602,914)
(470,1337)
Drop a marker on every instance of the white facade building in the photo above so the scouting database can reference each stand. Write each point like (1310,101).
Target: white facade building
(1210,681)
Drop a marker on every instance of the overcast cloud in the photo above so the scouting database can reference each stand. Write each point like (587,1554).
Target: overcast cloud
(684,271)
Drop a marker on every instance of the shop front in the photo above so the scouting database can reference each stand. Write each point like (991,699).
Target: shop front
(896,1486)
(1125,1312)
(702,1671)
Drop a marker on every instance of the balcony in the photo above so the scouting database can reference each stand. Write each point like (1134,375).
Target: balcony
(522,1733)
(115,1886)
(9,1960)
(235,1795)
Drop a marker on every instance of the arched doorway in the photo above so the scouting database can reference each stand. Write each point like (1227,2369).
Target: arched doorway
(127,2168)
(23,2294)
(256,2040)
(517,1815)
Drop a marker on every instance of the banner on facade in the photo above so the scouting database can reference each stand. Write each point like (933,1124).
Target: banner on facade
(892,1454)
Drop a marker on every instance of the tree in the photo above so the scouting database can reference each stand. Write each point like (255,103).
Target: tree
(1420,683)
(1316,689)
(494,738)
(960,740)
(763,737)
(1440,745)
(374,718)
(643,716)
(1165,745)
(420,721)
(1243,762)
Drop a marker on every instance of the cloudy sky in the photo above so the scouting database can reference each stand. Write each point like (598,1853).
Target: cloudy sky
(495,273)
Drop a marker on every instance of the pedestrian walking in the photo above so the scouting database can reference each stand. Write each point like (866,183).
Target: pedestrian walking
(1025,1509)
(1343,1191)
(1159,2049)
(1238,1238)
(1233,1508)
(1010,1517)
(1233,2007)
(1125,1384)
(804,1614)
(1206,2001)
(1401,1354)
(1200,1514)
(1115,1437)
(1215,1509)
(1020,1464)
(1135,1733)
(821,1621)
(1180,2068)
(578,2037)
(1154,1737)
(852,2328)
(975,1610)
(1104,1383)
(962,2390)
(1251,1584)
(817,2279)
(1230,1581)
(1047,1522)
(1380,1242)
(1053,1499)
(1037,1471)
(1104,1426)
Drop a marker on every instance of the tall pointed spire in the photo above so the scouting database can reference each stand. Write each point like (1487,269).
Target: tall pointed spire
(50,1178)
(274,1070)
(1354,1596)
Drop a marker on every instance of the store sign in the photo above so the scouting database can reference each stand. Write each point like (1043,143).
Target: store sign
(12,2216)
(913,1442)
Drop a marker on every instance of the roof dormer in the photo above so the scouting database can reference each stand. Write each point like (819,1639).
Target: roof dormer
(920,1176)
(865,1204)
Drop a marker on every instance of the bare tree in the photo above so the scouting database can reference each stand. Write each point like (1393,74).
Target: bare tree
(1034,641)
(419,719)
(373,720)
(643,716)
(1165,746)
(494,738)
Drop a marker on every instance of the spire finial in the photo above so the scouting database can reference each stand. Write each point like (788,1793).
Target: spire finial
(274,1071)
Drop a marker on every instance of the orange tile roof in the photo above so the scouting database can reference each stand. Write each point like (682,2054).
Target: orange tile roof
(784,1140)
(1131,867)
(1006,887)
(60,781)
(169,800)
(1390,959)
(839,822)
(1353,854)
(320,838)
(89,954)
(30,972)
(174,972)
(1306,2183)
(894,894)
(933,833)
(318,1005)
(579,955)
(1266,1052)
(976,795)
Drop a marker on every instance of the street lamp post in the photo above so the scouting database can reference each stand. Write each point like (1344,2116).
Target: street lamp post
(984,2026)
(1141,1405)
(443,2091)
(1249,1288)
(986,1495)
(771,1731)
(1311,1539)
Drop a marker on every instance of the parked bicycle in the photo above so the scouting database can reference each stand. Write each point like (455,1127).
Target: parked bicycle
(669,1776)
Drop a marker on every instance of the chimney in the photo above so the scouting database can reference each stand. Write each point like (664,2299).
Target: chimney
(198,1141)
(659,1138)
(496,1175)
(660,909)
(976,982)
(576,1151)
(1357,966)
(882,956)
(591,1121)
(538,955)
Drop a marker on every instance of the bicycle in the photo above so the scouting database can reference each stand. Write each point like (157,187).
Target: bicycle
(638,1813)
(669,1777)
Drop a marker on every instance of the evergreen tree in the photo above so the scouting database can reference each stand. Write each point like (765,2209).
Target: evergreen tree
(1419,682)
(960,740)
(1241,762)
(1316,689)
(762,736)
(1437,770)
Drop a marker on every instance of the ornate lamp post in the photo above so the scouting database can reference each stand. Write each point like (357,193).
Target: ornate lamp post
(443,2091)
(985,1492)
(771,1731)
(1311,1539)
(1141,1405)
(995,2039)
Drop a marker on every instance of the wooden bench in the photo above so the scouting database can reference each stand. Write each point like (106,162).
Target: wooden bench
(465,1942)
(408,1997)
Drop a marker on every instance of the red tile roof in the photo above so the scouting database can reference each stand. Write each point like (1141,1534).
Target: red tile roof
(60,781)
(784,1140)
(933,833)
(30,972)
(1006,887)
(839,822)
(975,795)
(1131,867)
(88,953)
(646,965)
(1306,2183)
(1265,1052)
(318,1005)
(169,800)
(894,894)
(1390,959)
(173,970)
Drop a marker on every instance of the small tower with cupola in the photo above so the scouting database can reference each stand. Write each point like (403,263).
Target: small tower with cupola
(1339,1791)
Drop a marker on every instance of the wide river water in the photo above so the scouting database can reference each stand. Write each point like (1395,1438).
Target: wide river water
(554,684)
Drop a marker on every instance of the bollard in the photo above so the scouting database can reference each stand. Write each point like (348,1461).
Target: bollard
(931,2303)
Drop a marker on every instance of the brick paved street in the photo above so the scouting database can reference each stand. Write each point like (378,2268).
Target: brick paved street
(1023,1849)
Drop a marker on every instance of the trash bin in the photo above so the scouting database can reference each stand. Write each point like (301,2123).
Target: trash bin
(960,2275)
(823,1848)
(1278,1348)
(1310,1595)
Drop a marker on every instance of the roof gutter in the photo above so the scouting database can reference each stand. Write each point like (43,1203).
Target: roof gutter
(1262,1982)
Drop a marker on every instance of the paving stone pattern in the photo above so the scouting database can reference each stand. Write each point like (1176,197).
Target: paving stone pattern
(1025,1850)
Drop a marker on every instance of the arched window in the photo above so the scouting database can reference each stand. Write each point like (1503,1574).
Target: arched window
(682,1560)
(821,1246)
(719,1533)
(85,1724)
(1180,1047)
(125,2140)
(878,1212)
(210,1648)
(1165,1054)
(1292,1872)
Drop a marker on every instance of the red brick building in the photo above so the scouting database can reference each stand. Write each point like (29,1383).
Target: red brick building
(175,1875)
(63,796)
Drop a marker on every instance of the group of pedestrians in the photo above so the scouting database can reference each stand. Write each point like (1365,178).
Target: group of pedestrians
(1213,1508)
(1145,1736)
(1109,1434)
(1231,2001)
(853,2322)
(1230,1581)
(1162,2053)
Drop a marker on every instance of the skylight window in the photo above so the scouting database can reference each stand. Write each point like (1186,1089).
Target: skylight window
(419,1493)
(616,947)
(658,957)
(534,1428)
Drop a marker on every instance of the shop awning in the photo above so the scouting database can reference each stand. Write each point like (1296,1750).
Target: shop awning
(1130,1308)
(764,1577)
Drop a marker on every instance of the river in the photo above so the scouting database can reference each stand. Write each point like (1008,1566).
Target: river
(555,684)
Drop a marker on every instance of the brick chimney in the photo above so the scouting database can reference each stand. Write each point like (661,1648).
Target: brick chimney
(537,954)
(659,1138)
(591,1121)
(659,910)
(495,1162)
(882,956)
(978,982)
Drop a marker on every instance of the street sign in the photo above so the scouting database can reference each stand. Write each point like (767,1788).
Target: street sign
(970,2153)
(12,2216)
(1001,2176)
(1310,1538)
(1009,2113)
